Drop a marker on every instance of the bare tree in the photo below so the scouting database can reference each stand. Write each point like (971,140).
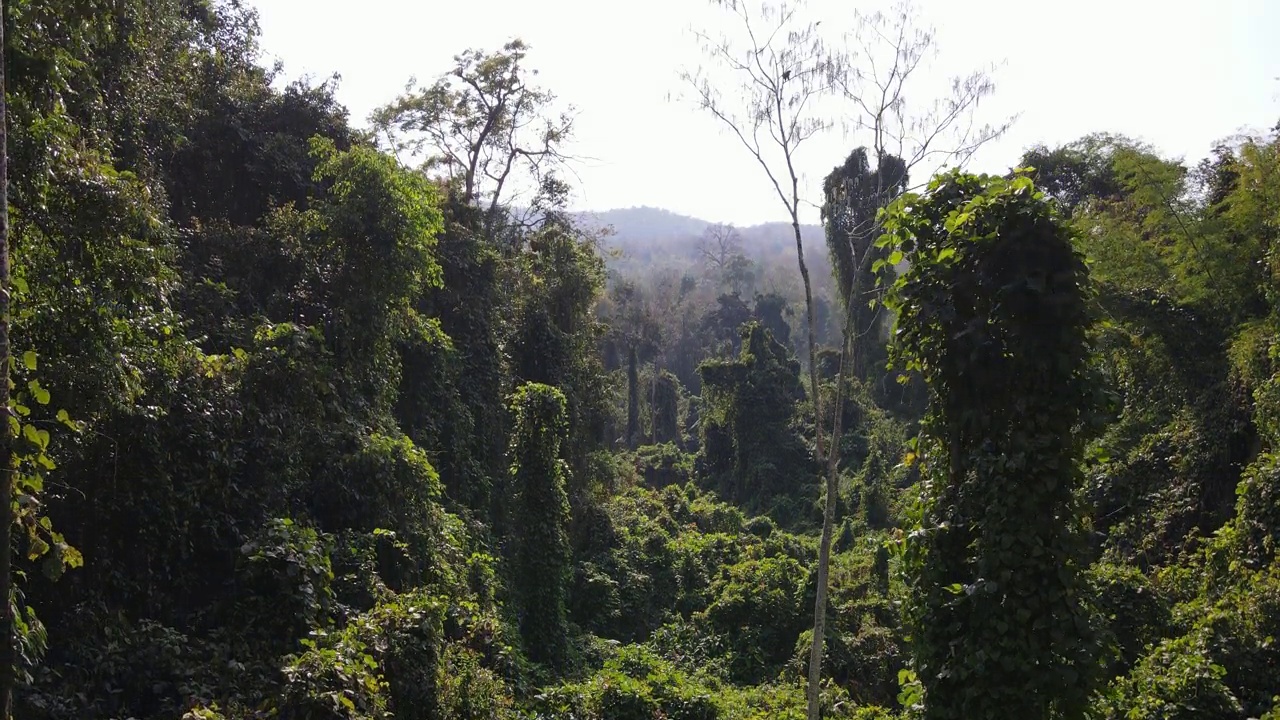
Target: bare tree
(482,124)
(718,244)
(892,49)
(783,69)
(720,249)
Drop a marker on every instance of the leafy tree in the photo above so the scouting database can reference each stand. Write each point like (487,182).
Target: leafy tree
(665,409)
(370,239)
(771,311)
(854,194)
(450,398)
(482,125)
(993,313)
(635,330)
(554,336)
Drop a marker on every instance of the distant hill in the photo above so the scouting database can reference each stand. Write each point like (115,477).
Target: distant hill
(656,237)
(646,224)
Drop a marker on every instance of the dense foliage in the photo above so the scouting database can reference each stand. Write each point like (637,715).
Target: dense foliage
(992,314)
(303,431)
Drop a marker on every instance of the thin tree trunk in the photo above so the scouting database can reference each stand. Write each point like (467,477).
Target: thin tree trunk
(813,691)
(828,512)
(813,338)
(7,650)
(633,398)
(653,406)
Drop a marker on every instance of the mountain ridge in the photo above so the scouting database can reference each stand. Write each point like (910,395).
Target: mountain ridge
(649,234)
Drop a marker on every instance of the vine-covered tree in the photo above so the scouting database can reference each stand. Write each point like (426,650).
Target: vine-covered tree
(854,193)
(7,649)
(541,518)
(993,313)
(750,450)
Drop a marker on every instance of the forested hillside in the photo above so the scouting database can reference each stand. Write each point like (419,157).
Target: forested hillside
(316,422)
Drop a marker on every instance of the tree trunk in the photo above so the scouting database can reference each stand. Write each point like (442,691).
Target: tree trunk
(829,509)
(633,398)
(7,650)
(654,436)
(813,338)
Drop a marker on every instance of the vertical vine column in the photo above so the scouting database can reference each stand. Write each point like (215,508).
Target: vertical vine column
(993,313)
(541,518)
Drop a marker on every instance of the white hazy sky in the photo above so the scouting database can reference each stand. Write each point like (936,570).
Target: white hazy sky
(1179,74)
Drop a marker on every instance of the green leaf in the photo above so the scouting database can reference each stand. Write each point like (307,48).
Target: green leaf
(29,359)
(41,395)
(37,548)
(945,253)
(895,257)
(31,483)
(71,557)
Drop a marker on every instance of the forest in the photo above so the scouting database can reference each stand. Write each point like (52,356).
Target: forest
(316,421)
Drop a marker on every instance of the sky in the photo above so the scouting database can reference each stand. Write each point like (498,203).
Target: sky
(1178,74)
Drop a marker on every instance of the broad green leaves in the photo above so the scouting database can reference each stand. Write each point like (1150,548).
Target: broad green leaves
(30,462)
(992,312)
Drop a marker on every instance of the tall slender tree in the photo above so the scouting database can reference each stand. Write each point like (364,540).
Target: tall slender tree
(784,71)
(783,67)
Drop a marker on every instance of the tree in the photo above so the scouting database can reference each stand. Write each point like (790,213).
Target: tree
(785,69)
(906,140)
(482,126)
(876,81)
(853,195)
(993,312)
(638,334)
(780,84)
(749,404)
(720,247)
(717,245)
(538,478)
(890,50)
(554,336)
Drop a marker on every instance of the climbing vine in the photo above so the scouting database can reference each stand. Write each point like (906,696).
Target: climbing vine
(542,518)
(993,313)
